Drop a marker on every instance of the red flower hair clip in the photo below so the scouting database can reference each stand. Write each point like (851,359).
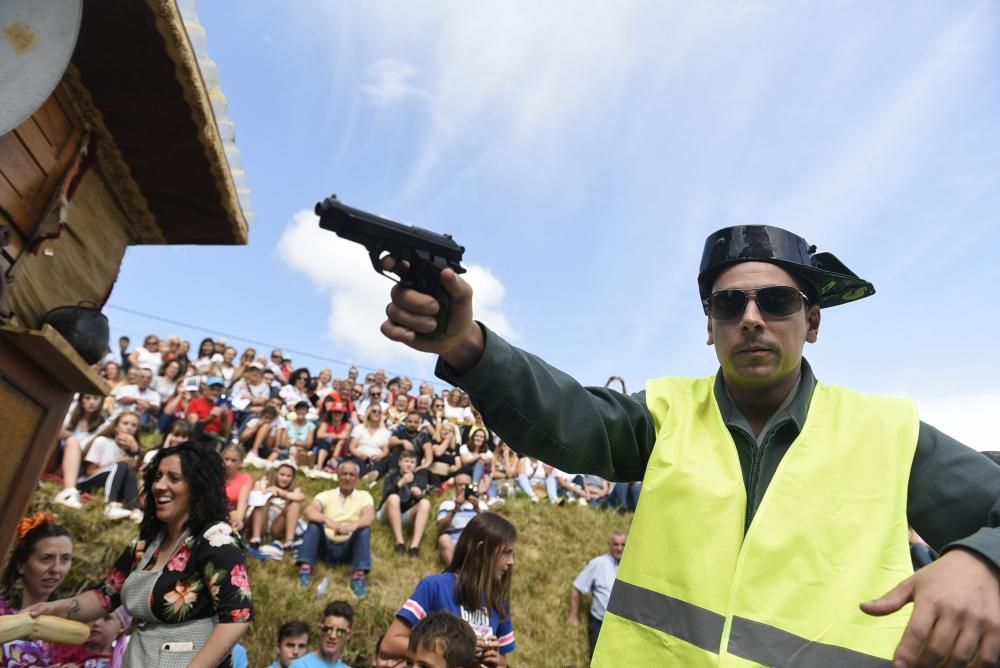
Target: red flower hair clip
(29,523)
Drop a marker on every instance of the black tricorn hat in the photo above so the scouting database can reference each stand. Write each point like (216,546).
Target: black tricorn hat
(830,281)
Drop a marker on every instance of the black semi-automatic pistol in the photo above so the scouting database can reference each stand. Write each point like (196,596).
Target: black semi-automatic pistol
(426,252)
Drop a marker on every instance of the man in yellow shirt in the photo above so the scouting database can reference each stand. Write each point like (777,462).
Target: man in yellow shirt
(339,530)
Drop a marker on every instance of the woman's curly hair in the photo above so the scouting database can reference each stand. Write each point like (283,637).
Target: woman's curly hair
(202,469)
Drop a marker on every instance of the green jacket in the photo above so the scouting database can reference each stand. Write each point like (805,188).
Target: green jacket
(954,491)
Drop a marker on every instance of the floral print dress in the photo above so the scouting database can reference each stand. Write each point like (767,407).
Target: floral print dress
(206,577)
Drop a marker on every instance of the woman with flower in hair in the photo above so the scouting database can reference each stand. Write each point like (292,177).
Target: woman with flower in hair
(38,565)
(183,579)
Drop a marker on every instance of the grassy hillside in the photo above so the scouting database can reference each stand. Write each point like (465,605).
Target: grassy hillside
(554,544)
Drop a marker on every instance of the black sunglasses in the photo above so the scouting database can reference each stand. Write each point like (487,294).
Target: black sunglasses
(338,631)
(777,301)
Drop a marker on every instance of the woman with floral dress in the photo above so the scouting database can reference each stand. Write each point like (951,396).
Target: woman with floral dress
(183,579)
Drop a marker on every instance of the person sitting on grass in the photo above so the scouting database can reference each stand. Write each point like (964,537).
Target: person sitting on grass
(301,431)
(404,502)
(238,485)
(339,530)
(334,634)
(293,643)
(278,515)
(409,436)
(333,435)
(265,436)
(80,428)
(370,444)
(442,640)
(110,464)
(455,514)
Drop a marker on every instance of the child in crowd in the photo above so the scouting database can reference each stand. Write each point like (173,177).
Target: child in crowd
(293,642)
(301,430)
(107,640)
(442,640)
(276,503)
(238,485)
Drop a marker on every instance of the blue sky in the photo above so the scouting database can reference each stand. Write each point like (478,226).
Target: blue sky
(582,152)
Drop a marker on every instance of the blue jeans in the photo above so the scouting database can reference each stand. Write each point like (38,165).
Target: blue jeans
(356,550)
(625,495)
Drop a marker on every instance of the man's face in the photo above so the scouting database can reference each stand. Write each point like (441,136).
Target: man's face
(145,378)
(412,423)
(755,350)
(277,357)
(335,633)
(356,392)
(254,376)
(617,547)
(292,648)
(123,343)
(152,344)
(347,477)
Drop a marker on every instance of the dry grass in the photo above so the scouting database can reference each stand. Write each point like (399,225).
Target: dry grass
(554,545)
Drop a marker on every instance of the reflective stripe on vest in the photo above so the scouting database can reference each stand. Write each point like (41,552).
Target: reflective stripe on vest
(830,532)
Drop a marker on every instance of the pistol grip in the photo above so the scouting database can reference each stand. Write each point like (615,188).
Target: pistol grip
(427,279)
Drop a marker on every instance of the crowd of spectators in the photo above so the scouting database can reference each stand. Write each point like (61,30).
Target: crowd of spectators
(266,413)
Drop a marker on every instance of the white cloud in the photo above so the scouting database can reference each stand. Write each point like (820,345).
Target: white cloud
(965,417)
(358,295)
(389,81)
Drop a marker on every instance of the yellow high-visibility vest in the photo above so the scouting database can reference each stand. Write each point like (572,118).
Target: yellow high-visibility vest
(829,533)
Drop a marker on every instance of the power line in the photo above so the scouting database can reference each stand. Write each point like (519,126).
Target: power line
(255,342)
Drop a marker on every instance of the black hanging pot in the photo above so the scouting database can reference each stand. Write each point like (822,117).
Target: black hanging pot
(84,327)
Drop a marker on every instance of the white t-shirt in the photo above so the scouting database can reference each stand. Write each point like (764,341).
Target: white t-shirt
(104,451)
(371,444)
(244,393)
(149,394)
(458,414)
(148,360)
(277,425)
(465,452)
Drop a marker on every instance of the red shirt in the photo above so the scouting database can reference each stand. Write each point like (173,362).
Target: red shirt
(202,407)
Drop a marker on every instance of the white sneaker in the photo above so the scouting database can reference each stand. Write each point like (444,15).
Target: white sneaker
(534,499)
(582,501)
(114,511)
(370,478)
(136,516)
(69,497)
(495,502)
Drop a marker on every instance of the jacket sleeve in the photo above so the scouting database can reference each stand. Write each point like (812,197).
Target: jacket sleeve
(542,412)
(954,496)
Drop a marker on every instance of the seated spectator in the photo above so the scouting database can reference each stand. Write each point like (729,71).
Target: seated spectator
(477,461)
(454,514)
(409,437)
(176,407)
(505,469)
(148,356)
(324,383)
(274,386)
(178,432)
(334,634)
(339,530)
(165,382)
(624,496)
(266,436)
(443,455)
(246,359)
(203,362)
(397,411)
(333,436)
(278,514)
(238,485)
(140,399)
(39,562)
(442,640)
(293,643)
(80,428)
(455,412)
(277,359)
(297,389)
(370,445)
(405,503)
(301,430)
(110,464)
(376,397)
(382,660)
(210,414)
(228,368)
(566,489)
(250,393)
(596,489)
(99,650)
(532,475)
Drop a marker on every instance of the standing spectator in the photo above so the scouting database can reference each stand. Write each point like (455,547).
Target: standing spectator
(80,428)
(165,382)
(404,502)
(210,415)
(40,561)
(110,463)
(596,579)
(455,514)
(148,356)
(335,633)
(139,398)
(333,436)
(370,445)
(238,485)
(278,516)
(476,587)
(124,357)
(339,530)
(293,642)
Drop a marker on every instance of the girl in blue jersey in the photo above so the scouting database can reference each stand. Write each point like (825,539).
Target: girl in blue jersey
(476,587)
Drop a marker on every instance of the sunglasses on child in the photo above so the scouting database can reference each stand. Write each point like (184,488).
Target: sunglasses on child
(338,631)
(774,302)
